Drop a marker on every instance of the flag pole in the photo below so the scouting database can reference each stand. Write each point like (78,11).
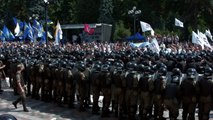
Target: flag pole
(46,30)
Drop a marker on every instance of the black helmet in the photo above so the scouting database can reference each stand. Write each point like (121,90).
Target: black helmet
(147,71)
(97,67)
(141,67)
(119,69)
(89,61)
(161,65)
(208,72)
(191,72)
(81,67)
(201,69)
(176,72)
(108,62)
(175,79)
(162,71)
(131,65)
(105,68)
(7,117)
(98,62)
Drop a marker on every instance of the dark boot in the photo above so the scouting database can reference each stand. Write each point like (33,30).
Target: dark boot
(23,100)
(16,102)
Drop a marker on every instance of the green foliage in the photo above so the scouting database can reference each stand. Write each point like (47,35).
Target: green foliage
(160,14)
(106,11)
(87,11)
(120,31)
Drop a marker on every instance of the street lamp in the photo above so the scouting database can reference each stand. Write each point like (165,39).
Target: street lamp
(46,30)
(134,12)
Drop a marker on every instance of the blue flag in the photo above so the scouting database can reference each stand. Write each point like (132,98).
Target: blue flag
(8,35)
(15,21)
(26,30)
(30,33)
(38,29)
(43,38)
(2,38)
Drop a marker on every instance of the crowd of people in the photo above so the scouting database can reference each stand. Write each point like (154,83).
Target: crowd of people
(129,79)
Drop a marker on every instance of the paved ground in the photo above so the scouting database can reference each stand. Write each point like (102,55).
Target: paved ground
(47,111)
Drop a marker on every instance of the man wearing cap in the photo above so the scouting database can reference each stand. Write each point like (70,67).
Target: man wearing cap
(19,84)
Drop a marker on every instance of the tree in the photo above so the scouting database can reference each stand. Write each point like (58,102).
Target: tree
(106,12)
(120,31)
(87,11)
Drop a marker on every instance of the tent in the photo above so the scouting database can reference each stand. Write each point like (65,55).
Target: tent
(137,36)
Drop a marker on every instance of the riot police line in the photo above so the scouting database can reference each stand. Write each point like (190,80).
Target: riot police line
(129,81)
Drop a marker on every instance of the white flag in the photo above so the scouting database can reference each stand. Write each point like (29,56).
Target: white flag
(58,33)
(196,39)
(152,33)
(204,39)
(154,46)
(178,23)
(49,35)
(208,33)
(17,29)
(145,26)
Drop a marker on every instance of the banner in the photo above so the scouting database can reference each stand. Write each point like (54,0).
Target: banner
(154,46)
(139,45)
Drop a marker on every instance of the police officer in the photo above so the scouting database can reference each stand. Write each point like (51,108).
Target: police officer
(38,79)
(131,84)
(159,91)
(105,77)
(46,89)
(60,82)
(171,100)
(82,83)
(205,90)
(188,95)
(145,91)
(70,86)
(119,91)
(96,87)
(87,73)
